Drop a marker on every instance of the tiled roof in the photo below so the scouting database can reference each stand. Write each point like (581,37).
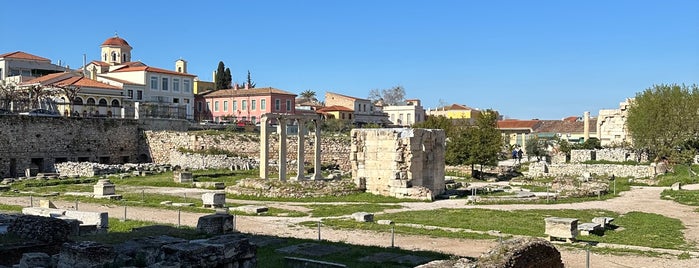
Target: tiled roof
(245,92)
(100,63)
(44,78)
(335,108)
(70,79)
(115,41)
(561,126)
(23,56)
(149,69)
(126,82)
(517,124)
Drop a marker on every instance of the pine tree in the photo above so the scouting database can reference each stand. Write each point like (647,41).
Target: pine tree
(251,84)
(220,76)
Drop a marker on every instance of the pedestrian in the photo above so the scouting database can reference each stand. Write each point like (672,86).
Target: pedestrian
(519,155)
(514,154)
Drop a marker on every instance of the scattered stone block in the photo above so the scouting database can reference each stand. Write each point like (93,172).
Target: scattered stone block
(385,222)
(35,259)
(604,222)
(166,203)
(213,200)
(105,189)
(182,204)
(363,217)
(86,254)
(561,228)
(252,209)
(183,176)
(676,186)
(209,184)
(588,228)
(216,223)
(44,203)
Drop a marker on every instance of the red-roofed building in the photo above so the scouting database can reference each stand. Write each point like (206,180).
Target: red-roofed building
(336,112)
(20,66)
(147,85)
(243,104)
(364,112)
(92,97)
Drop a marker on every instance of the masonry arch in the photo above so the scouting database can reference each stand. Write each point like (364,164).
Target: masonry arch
(103,102)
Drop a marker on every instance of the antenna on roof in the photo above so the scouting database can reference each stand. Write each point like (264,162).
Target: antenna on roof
(116,34)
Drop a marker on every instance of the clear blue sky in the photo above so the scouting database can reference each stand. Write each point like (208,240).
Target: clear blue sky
(526,59)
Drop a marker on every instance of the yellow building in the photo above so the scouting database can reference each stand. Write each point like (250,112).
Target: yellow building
(203,86)
(456,111)
(336,112)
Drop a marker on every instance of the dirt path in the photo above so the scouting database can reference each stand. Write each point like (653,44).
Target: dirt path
(645,199)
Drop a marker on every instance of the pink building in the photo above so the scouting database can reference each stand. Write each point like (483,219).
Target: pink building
(243,104)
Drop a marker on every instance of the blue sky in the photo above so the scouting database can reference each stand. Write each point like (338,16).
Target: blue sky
(526,59)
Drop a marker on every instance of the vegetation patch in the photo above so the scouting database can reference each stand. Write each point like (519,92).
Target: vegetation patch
(686,197)
(339,210)
(680,174)
(399,229)
(209,151)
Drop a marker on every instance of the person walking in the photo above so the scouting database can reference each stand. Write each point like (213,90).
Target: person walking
(519,155)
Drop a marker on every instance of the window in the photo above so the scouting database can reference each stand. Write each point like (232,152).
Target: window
(245,105)
(115,103)
(410,120)
(343,115)
(199,105)
(114,56)
(176,84)
(123,56)
(165,83)
(400,119)
(364,107)
(253,119)
(216,106)
(277,105)
(288,105)
(263,104)
(235,106)
(154,82)
(253,104)
(208,106)
(105,57)
(179,69)
(91,101)
(130,93)
(78,101)
(186,85)
(225,106)
(175,100)
(139,94)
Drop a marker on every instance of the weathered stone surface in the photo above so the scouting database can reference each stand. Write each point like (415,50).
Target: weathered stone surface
(385,222)
(182,176)
(35,259)
(213,200)
(404,163)
(293,189)
(542,169)
(589,228)
(522,252)
(143,251)
(45,203)
(85,254)
(363,217)
(252,209)
(99,219)
(104,187)
(40,228)
(216,223)
(676,186)
(210,184)
(604,222)
(561,228)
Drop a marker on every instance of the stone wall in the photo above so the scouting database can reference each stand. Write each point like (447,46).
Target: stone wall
(201,161)
(161,144)
(612,154)
(634,171)
(404,163)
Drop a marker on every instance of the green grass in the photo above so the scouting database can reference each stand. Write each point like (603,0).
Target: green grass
(399,229)
(358,197)
(10,208)
(339,210)
(121,231)
(686,197)
(680,175)
(639,229)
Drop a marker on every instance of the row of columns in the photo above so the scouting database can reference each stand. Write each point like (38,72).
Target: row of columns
(264,146)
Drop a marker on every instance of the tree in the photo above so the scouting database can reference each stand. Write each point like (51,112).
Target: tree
(8,94)
(71,93)
(391,96)
(484,140)
(538,147)
(663,119)
(308,94)
(223,76)
(437,122)
(250,83)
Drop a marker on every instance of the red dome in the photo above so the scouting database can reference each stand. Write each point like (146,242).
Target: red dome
(115,41)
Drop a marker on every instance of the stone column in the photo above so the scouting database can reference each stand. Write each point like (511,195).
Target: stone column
(282,149)
(136,108)
(316,146)
(301,151)
(264,147)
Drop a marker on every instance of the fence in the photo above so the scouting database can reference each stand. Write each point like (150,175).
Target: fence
(127,110)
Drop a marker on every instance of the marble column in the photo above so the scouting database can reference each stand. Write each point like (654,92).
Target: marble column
(317,175)
(264,147)
(282,149)
(301,151)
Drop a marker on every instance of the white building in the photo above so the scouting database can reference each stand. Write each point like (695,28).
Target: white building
(20,66)
(406,114)
(611,125)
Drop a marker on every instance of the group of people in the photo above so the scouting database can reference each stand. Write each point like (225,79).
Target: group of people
(517,155)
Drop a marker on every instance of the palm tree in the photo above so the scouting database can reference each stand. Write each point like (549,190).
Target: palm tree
(308,94)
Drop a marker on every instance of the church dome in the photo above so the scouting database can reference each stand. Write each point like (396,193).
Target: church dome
(115,41)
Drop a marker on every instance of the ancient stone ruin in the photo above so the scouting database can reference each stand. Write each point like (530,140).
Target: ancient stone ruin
(404,163)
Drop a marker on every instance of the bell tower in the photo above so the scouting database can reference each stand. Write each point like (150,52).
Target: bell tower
(115,51)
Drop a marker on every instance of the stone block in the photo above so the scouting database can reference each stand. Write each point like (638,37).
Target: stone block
(363,217)
(104,188)
(252,209)
(45,203)
(216,223)
(561,228)
(183,176)
(210,184)
(86,254)
(35,259)
(182,204)
(604,222)
(676,186)
(385,222)
(213,200)
(99,219)
(588,228)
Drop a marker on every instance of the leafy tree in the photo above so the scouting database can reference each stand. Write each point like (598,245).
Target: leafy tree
(437,122)
(538,147)
(391,96)
(308,94)
(663,119)
(223,76)
(71,93)
(336,125)
(250,83)
(484,140)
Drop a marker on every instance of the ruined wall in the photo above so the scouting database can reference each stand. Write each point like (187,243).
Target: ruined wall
(611,154)
(40,142)
(543,169)
(399,162)
(160,144)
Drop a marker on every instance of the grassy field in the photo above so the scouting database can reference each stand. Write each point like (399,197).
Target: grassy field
(681,175)
(399,229)
(339,210)
(639,229)
(686,197)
